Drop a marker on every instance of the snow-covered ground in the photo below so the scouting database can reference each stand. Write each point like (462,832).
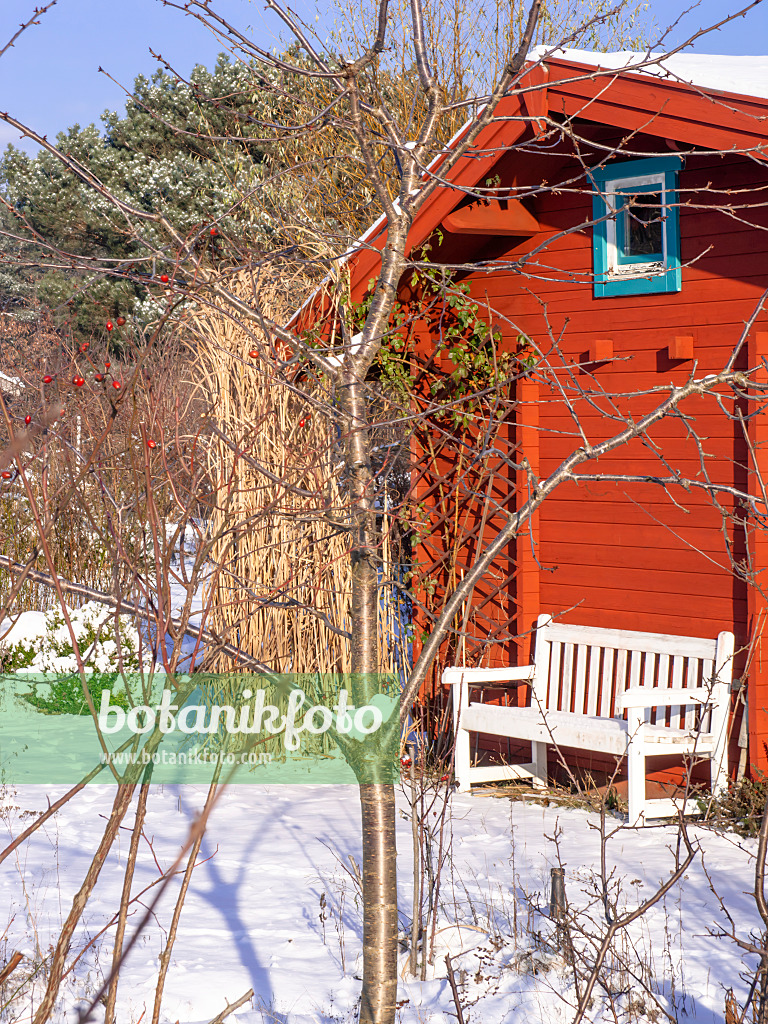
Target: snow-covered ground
(271,907)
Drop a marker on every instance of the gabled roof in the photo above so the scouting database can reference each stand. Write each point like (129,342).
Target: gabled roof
(671,98)
(742,75)
(639,99)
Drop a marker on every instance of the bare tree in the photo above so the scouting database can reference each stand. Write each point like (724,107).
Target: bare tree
(330,363)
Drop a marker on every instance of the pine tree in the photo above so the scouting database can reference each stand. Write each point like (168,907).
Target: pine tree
(190,150)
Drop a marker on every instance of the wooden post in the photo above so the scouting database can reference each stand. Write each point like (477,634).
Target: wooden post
(557,894)
(528,448)
(558,912)
(757,694)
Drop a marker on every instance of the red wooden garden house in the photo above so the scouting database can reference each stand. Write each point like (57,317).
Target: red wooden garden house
(633,229)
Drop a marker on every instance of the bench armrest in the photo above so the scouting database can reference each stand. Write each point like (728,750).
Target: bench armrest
(488,676)
(663,696)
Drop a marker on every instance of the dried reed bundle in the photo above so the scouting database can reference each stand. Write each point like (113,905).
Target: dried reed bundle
(281,587)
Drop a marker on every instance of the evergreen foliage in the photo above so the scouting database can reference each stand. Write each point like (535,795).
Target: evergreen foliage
(188,150)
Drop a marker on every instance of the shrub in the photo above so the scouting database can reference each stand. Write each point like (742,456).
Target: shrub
(19,656)
(97,632)
(740,807)
(66,695)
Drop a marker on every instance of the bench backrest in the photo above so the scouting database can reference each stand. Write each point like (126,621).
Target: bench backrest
(583,669)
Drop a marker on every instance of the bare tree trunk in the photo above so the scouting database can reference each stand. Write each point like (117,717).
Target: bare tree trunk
(377,799)
(379,994)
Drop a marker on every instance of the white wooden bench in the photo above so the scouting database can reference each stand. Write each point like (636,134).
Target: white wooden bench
(617,692)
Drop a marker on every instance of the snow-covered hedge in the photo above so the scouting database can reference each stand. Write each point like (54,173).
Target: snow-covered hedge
(42,642)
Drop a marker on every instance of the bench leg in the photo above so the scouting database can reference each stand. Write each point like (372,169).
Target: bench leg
(636,781)
(719,764)
(462,760)
(539,764)
(719,772)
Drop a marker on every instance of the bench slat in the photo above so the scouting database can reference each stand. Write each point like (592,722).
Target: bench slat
(677,715)
(562,727)
(663,670)
(635,660)
(664,696)
(606,690)
(676,682)
(593,686)
(609,735)
(662,680)
(580,679)
(649,680)
(677,673)
(552,697)
(621,677)
(629,640)
(566,689)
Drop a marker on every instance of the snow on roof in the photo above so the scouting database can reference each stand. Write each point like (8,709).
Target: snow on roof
(746,76)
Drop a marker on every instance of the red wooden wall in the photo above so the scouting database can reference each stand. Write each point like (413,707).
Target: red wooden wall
(626,555)
(617,554)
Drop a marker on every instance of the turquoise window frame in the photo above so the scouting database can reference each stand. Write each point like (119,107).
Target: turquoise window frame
(614,272)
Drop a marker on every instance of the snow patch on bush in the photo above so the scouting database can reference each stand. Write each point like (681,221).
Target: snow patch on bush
(42,642)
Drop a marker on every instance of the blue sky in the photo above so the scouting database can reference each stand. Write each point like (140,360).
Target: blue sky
(50,79)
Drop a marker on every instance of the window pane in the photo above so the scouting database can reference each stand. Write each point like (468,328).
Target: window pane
(642,224)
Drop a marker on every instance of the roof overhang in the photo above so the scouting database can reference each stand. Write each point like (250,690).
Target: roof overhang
(558,87)
(688,114)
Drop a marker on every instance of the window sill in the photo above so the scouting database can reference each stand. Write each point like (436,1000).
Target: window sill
(636,284)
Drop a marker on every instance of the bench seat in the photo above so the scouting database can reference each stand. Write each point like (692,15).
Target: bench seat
(567,729)
(625,694)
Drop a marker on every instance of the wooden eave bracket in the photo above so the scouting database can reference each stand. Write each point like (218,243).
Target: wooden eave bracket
(508,216)
(492,217)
